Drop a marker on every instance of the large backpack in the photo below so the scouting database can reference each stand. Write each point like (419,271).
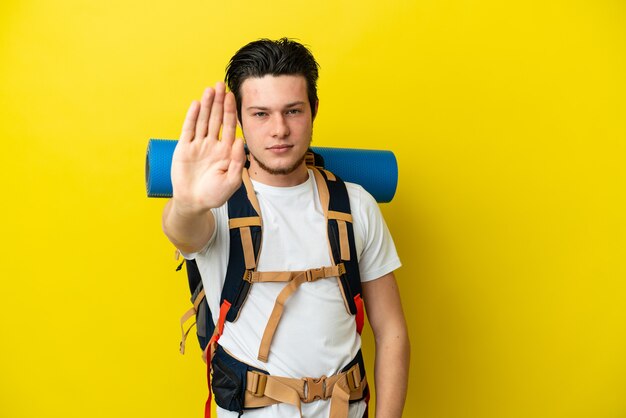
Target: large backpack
(246,228)
(245,237)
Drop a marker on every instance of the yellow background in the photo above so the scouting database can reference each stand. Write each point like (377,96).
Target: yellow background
(508,122)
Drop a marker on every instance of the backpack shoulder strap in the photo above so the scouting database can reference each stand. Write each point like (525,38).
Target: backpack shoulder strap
(336,203)
(245,224)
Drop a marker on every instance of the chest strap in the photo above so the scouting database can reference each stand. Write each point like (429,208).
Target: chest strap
(263,390)
(295,279)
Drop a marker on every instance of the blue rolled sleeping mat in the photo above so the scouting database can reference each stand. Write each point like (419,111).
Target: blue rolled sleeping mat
(375,170)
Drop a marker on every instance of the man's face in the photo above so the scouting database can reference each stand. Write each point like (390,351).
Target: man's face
(277,124)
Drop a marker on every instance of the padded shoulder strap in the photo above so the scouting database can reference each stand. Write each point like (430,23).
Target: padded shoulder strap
(245,225)
(334,198)
(246,235)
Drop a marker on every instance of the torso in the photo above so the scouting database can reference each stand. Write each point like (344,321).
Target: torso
(316,335)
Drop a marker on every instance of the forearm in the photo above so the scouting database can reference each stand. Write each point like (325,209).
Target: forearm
(391,370)
(188,230)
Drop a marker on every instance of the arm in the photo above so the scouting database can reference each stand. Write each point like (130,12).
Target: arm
(391,368)
(206,170)
(188,231)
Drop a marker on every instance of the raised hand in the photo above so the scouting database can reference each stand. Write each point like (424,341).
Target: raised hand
(206,170)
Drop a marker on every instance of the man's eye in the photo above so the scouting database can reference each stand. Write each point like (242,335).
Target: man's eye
(260,114)
(293,111)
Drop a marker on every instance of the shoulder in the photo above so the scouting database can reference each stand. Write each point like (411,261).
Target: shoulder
(375,248)
(362,203)
(357,192)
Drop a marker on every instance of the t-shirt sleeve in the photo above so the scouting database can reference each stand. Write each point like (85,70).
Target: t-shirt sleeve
(375,247)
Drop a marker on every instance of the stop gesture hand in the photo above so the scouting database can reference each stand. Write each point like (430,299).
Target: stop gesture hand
(206,170)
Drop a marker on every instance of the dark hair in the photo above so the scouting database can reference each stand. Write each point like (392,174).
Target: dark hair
(267,57)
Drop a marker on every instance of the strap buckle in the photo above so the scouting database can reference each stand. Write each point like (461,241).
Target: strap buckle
(353,378)
(341,269)
(314,274)
(314,389)
(247,276)
(257,386)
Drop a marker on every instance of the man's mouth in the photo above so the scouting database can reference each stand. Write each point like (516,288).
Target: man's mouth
(280,148)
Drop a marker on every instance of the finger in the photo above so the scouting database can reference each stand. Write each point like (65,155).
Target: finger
(237,162)
(189,124)
(217,110)
(229,126)
(205,110)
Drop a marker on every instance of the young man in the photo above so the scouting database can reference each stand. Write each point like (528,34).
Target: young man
(273,86)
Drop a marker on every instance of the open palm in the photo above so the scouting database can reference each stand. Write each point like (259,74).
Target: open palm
(206,170)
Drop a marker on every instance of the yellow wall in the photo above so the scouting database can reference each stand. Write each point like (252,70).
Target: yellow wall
(507,119)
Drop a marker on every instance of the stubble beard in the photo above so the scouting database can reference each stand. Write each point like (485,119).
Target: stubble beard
(281,171)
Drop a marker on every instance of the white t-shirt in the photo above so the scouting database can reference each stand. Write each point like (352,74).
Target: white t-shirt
(316,335)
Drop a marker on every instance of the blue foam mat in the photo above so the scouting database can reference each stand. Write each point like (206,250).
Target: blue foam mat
(375,170)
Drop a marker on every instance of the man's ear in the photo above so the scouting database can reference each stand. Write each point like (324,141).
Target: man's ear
(317,105)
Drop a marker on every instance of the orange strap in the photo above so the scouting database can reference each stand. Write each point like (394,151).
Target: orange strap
(309,159)
(360,313)
(245,177)
(248,248)
(263,390)
(239,222)
(344,243)
(191,312)
(299,278)
(287,276)
(210,351)
(340,217)
(244,224)
(330,176)
(333,214)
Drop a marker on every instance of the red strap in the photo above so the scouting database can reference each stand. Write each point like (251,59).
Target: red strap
(222,318)
(360,315)
(210,349)
(207,405)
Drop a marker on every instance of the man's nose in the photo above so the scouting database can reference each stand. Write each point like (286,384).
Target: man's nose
(280,128)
